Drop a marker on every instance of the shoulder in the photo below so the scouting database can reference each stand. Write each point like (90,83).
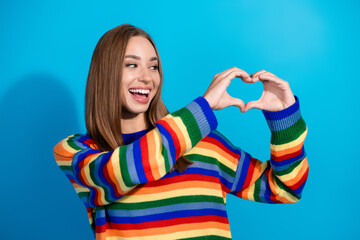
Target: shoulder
(216,145)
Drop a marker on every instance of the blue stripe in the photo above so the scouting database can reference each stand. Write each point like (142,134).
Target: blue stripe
(218,136)
(165,209)
(98,173)
(286,162)
(168,143)
(277,115)
(238,173)
(200,118)
(138,162)
(131,164)
(278,125)
(299,190)
(208,112)
(244,163)
(169,215)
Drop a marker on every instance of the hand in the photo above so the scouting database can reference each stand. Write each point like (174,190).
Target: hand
(216,94)
(276,95)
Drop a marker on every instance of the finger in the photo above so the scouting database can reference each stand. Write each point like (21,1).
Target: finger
(253,104)
(245,77)
(226,73)
(237,103)
(257,73)
(271,77)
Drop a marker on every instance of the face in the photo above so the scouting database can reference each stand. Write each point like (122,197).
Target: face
(140,77)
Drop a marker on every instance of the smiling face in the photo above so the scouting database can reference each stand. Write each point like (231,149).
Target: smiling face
(140,76)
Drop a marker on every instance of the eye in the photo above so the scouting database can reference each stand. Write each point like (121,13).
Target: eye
(127,65)
(155,67)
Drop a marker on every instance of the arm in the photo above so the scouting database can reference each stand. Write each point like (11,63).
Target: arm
(283,177)
(100,178)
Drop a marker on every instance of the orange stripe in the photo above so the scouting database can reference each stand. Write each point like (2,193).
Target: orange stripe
(114,181)
(179,135)
(152,157)
(256,172)
(299,175)
(288,150)
(217,149)
(86,161)
(176,186)
(167,230)
(61,154)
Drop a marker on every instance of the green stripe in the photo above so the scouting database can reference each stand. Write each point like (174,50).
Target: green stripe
(92,175)
(66,168)
(289,169)
(289,134)
(124,167)
(166,158)
(190,122)
(257,190)
(211,160)
(83,194)
(285,188)
(71,142)
(207,237)
(164,202)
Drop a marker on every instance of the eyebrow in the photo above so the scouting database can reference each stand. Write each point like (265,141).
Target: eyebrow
(138,58)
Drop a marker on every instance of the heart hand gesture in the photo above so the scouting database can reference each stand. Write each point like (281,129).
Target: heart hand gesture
(276,95)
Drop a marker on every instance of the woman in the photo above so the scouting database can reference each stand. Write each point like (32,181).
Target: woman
(145,173)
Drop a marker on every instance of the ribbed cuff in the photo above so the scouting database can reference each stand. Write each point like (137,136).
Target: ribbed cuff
(286,124)
(204,116)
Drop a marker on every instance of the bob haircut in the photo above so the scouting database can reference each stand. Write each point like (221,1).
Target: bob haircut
(103,106)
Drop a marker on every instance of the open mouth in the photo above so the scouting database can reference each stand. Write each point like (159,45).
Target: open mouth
(140,93)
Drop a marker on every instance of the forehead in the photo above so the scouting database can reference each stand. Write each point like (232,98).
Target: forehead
(140,46)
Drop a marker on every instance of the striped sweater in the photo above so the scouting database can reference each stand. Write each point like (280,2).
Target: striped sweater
(129,193)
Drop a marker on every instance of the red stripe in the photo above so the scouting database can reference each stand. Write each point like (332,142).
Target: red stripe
(181,178)
(145,158)
(168,222)
(173,137)
(249,173)
(108,179)
(102,228)
(287,156)
(301,181)
(220,145)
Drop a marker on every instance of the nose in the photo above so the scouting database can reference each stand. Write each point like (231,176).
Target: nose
(145,76)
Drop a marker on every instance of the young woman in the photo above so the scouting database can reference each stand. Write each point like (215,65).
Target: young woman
(145,173)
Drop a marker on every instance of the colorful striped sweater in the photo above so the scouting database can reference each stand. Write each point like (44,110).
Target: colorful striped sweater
(130,194)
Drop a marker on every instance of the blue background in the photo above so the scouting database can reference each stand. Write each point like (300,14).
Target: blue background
(46,48)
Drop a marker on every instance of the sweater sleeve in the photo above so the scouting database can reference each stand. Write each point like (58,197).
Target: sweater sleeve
(100,178)
(278,180)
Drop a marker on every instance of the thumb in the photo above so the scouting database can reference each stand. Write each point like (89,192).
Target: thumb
(237,103)
(253,104)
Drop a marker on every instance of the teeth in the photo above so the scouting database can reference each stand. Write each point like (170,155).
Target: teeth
(142,91)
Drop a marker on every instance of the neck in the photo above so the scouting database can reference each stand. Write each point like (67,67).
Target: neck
(131,122)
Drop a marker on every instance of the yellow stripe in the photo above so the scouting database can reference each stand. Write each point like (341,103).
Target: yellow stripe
(89,179)
(67,147)
(184,130)
(157,151)
(283,194)
(291,144)
(214,154)
(178,235)
(291,175)
(64,163)
(115,162)
(170,194)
